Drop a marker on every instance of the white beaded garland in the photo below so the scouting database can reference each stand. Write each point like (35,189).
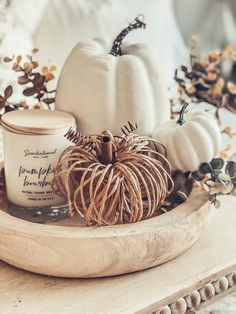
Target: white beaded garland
(194,299)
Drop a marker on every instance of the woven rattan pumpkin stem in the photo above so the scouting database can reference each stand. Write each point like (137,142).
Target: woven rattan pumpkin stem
(137,23)
(106,146)
(181,121)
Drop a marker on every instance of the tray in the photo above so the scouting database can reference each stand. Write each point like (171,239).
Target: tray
(69,249)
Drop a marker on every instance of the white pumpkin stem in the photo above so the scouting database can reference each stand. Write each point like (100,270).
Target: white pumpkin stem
(181,121)
(106,147)
(137,23)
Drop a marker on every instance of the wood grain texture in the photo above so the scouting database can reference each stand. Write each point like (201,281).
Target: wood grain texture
(71,251)
(211,258)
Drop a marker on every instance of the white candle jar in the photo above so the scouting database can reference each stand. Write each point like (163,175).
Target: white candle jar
(33,141)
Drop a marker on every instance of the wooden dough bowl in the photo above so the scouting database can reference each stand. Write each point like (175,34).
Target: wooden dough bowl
(68,250)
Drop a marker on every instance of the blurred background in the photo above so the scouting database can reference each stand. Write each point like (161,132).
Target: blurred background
(55,26)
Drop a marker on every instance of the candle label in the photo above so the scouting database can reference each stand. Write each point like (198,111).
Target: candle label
(29,168)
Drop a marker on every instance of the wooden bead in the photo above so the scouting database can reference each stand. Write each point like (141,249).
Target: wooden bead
(193,299)
(221,285)
(163,310)
(232,279)
(179,306)
(207,292)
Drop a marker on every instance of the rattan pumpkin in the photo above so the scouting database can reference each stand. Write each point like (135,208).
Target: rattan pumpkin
(109,179)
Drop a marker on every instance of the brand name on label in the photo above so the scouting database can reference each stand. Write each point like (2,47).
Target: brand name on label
(39,153)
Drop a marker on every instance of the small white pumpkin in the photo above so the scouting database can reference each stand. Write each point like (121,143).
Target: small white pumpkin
(105,90)
(192,139)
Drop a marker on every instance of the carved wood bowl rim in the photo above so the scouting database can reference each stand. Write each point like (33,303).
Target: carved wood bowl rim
(184,224)
(108,231)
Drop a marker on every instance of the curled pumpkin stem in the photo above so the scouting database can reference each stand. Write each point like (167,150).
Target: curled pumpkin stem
(137,23)
(181,121)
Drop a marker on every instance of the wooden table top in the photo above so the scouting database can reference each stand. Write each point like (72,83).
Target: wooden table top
(206,272)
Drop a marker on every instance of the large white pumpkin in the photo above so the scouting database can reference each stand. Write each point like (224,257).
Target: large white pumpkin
(192,139)
(104,91)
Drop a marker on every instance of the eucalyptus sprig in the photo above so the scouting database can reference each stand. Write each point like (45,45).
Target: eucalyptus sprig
(218,178)
(35,81)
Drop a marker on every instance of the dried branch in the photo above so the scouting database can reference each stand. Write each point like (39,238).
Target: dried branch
(34,80)
(205,80)
(218,177)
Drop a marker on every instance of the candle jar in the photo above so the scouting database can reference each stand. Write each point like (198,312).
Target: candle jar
(33,141)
